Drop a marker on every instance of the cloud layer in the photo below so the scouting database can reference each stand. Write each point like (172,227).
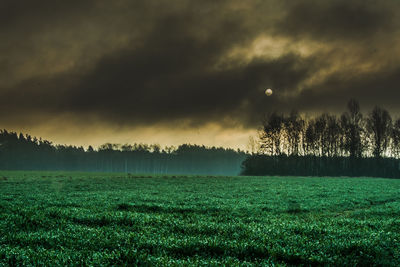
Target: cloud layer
(193,63)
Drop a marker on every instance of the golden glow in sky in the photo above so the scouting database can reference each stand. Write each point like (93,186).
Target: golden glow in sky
(172,72)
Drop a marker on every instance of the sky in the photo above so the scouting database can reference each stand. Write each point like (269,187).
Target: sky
(87,72)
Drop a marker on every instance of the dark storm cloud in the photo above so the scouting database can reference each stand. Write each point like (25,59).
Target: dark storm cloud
(172,75)
(149,62)
(19,20)
(180,89)
(380,88)
(337,19)
(27,13)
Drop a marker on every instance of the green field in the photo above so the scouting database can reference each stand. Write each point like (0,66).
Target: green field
(60,218)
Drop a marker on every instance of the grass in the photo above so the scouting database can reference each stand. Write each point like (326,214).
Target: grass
(61,218)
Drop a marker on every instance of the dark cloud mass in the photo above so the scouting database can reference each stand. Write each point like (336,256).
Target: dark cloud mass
(138,63)
(332,20)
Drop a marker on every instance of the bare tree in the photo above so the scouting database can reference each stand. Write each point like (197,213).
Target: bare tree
(271,134)
(253,146)
(294,127)
(320,132)
(333,135)
(379,125)
(311,138)
(352,125)
(395,146)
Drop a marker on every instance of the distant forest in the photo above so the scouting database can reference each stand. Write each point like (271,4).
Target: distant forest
(328,145)
(351,144)
(23,152)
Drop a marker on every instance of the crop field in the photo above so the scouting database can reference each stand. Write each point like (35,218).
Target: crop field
(70,218)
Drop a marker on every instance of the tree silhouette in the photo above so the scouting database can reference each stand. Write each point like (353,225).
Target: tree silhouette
(326,145)
(352,125)
(395,148)
(379,124)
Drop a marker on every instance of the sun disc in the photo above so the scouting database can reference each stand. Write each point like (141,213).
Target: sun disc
(268,92)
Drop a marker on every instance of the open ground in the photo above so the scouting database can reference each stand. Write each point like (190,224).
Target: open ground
(71,218)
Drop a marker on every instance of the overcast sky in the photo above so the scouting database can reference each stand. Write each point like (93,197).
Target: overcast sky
(174,71)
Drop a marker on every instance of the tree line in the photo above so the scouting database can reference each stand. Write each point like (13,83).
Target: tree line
(24,152)
(349,144)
